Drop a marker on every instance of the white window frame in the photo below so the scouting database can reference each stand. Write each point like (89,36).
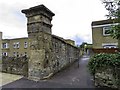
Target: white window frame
(4,53)
(5,45)
(110,45)
(14,54)
(16,45)
(25,44)
(104,29)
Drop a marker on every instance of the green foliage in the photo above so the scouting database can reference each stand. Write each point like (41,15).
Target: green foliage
(113,7)
(103,61)
(83,44)
(115,31)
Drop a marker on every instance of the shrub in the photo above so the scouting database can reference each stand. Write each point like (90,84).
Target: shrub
(103,60)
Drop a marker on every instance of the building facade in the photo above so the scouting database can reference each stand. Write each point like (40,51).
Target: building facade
(18,47)
(15,47)
(0,46)
(100,34)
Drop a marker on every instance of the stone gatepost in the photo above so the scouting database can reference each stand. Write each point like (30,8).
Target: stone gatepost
(39,33)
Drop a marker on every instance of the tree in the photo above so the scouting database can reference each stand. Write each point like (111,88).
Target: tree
(83,45)
(113,7)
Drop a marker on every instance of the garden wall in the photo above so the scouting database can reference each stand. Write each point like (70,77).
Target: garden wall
(15,65)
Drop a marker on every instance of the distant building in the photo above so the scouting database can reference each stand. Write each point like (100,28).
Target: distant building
(15,47)
(70,41)
(0,46)
(20,46)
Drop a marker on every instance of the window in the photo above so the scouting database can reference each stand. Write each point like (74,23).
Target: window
(25,44)
(5,45)
(17,54)
(25,54)
(109,46)
(14,54)
(16,45)
(106,30)
(4,54)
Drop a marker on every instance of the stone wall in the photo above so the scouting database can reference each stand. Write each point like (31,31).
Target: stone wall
(106,78)
(15,65)
(49,54)
(63,53)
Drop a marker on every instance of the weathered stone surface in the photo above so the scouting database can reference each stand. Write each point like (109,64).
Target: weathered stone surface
(49,53)
(105,78)
(14,65)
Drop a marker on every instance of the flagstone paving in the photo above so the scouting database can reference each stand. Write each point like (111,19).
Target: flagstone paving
(6,78)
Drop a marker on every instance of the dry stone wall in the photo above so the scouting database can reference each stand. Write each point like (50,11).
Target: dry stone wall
(48,53)
(63,53)
(15,65)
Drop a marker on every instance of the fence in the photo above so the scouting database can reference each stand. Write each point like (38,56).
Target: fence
(106,50)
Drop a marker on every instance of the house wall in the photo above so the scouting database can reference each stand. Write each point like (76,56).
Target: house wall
(21,50)
(98,38)
(0,45)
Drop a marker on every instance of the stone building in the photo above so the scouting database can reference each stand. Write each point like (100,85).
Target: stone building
(100,34)
(0,46)
(16,47)
(70,42)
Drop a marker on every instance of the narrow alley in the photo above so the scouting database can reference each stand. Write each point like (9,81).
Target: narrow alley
(73,77)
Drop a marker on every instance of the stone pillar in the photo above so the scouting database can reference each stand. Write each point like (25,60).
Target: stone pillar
(39,34)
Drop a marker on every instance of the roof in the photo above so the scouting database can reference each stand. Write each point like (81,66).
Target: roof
(102,22)
(16,38)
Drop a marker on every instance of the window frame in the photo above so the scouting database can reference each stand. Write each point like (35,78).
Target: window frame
(16,45)
(25,44)
(105,28)
(4,53)
(5,45)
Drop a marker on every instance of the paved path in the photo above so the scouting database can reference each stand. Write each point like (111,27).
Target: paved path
(72,77)
(6,78)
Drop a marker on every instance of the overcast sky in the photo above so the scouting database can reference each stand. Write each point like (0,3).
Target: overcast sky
(72,18)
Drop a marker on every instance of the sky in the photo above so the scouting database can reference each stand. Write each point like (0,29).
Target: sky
(72,18)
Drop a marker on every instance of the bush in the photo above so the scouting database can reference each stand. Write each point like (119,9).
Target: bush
(103,60)
(100,65)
